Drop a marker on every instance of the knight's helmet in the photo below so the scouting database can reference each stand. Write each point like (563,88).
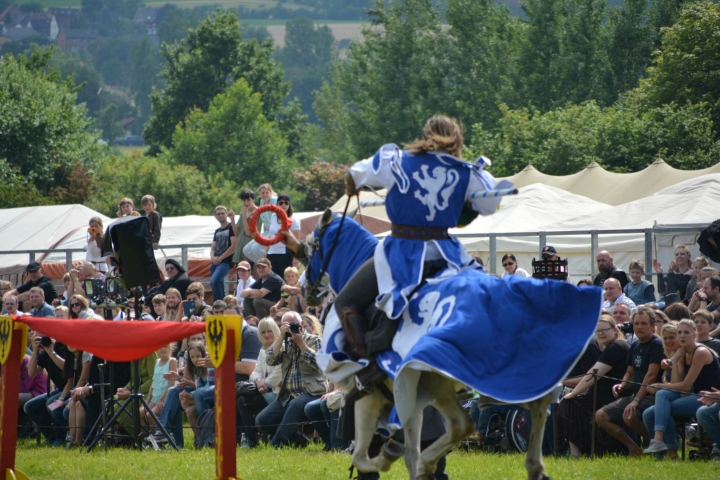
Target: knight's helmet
(555,269)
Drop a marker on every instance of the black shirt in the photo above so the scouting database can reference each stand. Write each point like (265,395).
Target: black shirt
(621,276)
(55,373)
(615,355)
(45,283)
(641,356)
(273,283)
(250,349)
(587,360)
(713,344)
(222,242)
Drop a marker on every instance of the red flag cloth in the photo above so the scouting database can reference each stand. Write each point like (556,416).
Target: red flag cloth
(114,341)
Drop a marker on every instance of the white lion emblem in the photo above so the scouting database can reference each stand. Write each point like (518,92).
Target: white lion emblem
(432,313)
(440,187)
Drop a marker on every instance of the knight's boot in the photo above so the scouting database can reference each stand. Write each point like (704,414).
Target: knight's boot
(353,324)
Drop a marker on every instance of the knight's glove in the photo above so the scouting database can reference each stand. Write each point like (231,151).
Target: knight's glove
(350,188)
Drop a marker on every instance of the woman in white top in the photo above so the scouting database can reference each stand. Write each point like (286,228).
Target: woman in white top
(509,263)
(278,254)
(93,249)
(266,378)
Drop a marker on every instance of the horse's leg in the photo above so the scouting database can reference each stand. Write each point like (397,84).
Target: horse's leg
(533,460)
(412,430)
(457,422)
(367,410)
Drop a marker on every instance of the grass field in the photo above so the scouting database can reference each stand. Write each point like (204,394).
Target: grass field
(312,463)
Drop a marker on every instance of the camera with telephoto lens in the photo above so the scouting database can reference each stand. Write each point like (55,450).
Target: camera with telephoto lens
(45,341)
(626,327)
(294,328)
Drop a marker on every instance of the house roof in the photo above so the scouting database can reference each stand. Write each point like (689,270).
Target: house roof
(74,34)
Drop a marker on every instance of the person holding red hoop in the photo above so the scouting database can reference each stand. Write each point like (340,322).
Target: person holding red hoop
(278,254)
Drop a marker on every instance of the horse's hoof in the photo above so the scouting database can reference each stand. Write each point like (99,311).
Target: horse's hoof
(393,451)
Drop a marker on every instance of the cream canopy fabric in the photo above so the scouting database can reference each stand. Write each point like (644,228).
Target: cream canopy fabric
(612,188)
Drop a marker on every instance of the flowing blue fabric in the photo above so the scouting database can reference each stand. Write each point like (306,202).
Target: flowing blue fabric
(513,339)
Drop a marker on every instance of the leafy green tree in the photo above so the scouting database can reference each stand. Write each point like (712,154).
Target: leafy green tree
(107,123)
(322,183)
(178,189)
(687,67)
(393,80)
(306,58)
(631,43)
(204,65)
(79,68)
(174,26)
(482,48)
(145,67)
(622,138)
(233,140)
(331,140)
(43,132)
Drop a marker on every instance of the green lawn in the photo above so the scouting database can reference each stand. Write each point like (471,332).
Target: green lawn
(266,463)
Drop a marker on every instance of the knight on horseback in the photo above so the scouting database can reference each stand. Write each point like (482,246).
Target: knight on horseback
(429,189)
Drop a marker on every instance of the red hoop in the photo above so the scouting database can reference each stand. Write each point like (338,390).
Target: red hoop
(252,225)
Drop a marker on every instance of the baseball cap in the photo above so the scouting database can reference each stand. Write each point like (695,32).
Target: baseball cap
(284,196)
(549,251)
(243,265)
(33,267)
(264,261)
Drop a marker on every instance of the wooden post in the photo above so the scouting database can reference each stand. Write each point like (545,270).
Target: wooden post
(9,393)
(224,340)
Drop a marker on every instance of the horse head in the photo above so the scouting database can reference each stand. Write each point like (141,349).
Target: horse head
(332,253)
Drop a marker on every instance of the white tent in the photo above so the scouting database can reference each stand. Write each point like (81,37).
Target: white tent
(39,228)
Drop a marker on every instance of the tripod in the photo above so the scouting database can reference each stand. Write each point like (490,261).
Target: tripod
(134,401)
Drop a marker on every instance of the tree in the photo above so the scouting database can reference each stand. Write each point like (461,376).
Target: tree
(322,183)
(43,132)
(80,70)
(107,123)
(204,65)
(393,81)
(630,44)
(233,140)
(143,77)
(174,26)
(482,48)
(91,8)
(306,58)
(331,140)
(687,67)
(178,189)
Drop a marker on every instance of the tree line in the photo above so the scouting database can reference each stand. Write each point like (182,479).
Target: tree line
(568,82)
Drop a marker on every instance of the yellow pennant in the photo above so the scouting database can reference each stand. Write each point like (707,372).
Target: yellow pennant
(6,328)
(216,338)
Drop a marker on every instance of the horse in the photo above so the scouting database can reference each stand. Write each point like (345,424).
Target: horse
(429,361)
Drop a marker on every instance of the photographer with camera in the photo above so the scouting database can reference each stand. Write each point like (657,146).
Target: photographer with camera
(48,355)
(303,382)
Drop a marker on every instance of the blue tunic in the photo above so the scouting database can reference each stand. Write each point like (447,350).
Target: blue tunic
(424,190)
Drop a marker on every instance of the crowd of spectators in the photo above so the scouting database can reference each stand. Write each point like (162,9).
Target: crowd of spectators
(651,360)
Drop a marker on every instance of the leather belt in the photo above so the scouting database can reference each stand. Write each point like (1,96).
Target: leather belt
(418,233)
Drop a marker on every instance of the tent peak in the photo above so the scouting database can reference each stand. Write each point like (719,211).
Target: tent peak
(594,164)
(659,161)
(529,168)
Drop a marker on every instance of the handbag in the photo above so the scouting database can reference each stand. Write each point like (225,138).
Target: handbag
(246,389)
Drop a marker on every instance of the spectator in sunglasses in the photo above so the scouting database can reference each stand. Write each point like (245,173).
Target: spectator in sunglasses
(280,257)
(509,263)
(79,307)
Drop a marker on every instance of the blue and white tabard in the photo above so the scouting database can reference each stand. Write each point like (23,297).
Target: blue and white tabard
(424,190)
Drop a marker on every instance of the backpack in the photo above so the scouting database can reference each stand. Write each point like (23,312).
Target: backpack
(206,430)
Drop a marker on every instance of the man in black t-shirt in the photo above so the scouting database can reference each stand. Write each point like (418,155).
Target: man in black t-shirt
(607,269)
(264,293)
(35,279)
(643,367)
(51,359)
(221,253)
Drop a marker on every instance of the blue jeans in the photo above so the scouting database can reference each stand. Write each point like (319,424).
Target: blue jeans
(325,423)
(204,399)
(36,410)
(709,420)
(171,415)
(286,417)
(660,416)
(217,279)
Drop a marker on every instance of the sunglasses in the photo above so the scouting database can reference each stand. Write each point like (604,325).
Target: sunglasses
(508,264)
(603,330)
(73,305)
(283,202)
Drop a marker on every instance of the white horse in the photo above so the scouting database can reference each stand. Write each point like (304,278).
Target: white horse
(419,387)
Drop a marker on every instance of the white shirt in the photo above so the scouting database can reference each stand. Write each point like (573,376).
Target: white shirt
(519,272)
(93,254)
(242,285)
(279,248)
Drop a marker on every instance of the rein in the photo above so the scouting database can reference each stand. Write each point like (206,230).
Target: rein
(326,261)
